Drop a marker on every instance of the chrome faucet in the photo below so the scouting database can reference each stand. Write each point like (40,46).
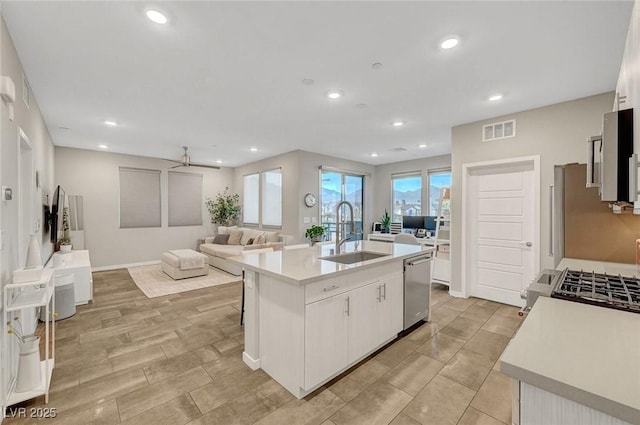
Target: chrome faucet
(339,240)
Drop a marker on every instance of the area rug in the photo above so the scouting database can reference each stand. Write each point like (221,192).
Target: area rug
(153,282)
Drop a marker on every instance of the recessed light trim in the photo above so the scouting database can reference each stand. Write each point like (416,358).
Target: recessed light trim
(218,161)
(496,97)
(253,149)
(156,16)
(449,42)
(334,94)
(103,146)
(398,123)
(376,65)
(110,123)
(374,155)
(422,145)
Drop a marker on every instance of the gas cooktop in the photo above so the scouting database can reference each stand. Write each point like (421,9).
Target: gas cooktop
(613,291)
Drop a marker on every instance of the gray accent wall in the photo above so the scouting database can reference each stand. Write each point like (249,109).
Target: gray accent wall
(30,120)
(557,133)
(94,175)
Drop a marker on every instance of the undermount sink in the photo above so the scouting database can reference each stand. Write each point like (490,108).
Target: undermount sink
(354,257)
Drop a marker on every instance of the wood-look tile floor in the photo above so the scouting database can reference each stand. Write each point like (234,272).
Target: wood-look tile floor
(177,360)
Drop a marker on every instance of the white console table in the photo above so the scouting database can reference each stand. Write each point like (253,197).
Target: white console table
(388,237)
(78,263)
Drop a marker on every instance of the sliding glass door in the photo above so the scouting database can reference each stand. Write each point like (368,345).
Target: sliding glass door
(336,186)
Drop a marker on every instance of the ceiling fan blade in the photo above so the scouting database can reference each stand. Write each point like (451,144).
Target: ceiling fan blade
(215,167)
(173,160)
(176,166)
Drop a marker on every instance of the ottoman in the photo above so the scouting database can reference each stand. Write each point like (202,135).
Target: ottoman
(184,263)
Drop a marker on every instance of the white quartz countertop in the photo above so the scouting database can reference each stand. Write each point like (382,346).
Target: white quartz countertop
(584,353)
(304,265)
(598,266)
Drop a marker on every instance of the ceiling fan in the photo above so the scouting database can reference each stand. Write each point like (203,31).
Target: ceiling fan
(186,161)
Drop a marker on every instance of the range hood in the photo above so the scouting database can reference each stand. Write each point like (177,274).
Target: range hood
(608,157)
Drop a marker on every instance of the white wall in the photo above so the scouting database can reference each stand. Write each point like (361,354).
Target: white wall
(300,175)
(383,175)
(31,122)
(557,133)
(629,78)
(95,176)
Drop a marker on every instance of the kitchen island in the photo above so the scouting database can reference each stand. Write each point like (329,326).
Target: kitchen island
(575,363)
(308,318)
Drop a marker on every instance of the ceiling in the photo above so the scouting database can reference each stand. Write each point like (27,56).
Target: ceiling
(222,77)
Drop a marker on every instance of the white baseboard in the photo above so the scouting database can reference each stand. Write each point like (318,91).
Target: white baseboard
(253,364)
(124,266)
(456,294)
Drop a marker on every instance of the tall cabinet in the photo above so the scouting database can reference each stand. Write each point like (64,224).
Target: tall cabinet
(441,264)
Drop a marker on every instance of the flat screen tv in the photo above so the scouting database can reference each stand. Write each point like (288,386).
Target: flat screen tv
(57,205)
(413,221)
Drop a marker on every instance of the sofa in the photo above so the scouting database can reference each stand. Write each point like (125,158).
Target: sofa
(233,241)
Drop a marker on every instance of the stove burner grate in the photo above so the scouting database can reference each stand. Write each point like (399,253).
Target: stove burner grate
(613,291)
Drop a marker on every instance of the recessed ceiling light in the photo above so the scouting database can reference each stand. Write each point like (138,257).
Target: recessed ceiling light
(157,17)
(495,98)
(361,105)
(397,123)
(422,145)
(376,65)
(334,94)
(219,161)
(307,81)
(110,123)
(103,146)
(374,155)
(449,43)
(253,149)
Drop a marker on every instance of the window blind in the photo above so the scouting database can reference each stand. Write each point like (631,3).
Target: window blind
(185,199)
(250,198)
(139,198)
(272,198)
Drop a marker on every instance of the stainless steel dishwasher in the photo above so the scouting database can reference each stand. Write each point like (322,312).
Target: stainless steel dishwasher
(417,289)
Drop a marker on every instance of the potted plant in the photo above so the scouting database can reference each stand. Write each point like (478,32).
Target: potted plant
(65,240)
(315,234)
(225,209)
(385,221)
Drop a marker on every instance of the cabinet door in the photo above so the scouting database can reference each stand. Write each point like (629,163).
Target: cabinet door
(391,308)
(325,339)
(364,332)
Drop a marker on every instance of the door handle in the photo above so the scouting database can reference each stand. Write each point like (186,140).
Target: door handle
(384,293)
(527,244)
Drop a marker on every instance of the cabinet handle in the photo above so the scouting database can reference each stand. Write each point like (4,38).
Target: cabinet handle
(347,311)
(384,294)
(330,288)
(379,293)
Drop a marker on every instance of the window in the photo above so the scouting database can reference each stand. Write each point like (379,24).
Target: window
(251,199)
(406,197)
(335,187)
(437,179)
(272,198)
(139,198)
(262,198)
(185,199)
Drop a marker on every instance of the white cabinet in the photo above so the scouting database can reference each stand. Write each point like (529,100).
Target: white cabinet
(342,329)
(325,338)
(77,263)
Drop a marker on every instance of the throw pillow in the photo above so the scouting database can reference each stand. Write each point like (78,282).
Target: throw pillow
(259,240)
(221,239)
(234,237)
(250,241)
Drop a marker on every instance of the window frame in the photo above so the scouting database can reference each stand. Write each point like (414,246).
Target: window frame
(398,176)
(431,173)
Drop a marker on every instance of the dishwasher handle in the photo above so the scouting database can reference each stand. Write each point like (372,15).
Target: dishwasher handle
(418,261)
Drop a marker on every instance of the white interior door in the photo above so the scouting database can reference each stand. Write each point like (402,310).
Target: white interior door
(502,243)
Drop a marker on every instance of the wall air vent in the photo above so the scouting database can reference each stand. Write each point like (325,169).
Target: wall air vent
(498,130)
(399,149)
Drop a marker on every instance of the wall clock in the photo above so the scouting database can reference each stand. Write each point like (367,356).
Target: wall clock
(310,200)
